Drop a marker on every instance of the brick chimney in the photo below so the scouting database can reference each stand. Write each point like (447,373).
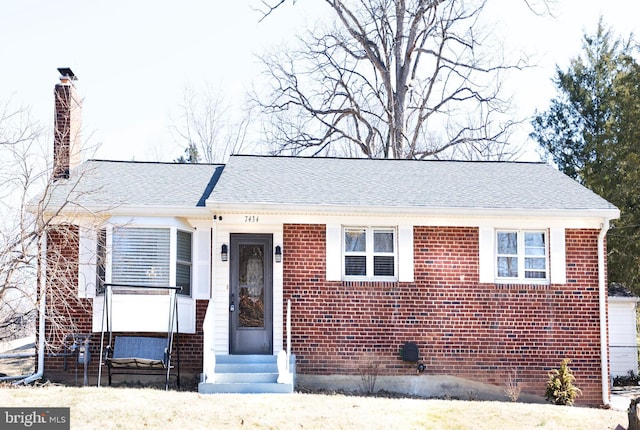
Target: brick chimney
(66,139)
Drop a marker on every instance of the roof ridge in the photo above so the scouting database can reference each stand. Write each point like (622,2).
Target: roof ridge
(307,157)
(152,162)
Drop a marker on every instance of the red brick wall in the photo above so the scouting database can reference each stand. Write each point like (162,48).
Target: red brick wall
(67,314)
(463,328)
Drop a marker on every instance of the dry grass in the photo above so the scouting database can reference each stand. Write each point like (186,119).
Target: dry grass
(128,408)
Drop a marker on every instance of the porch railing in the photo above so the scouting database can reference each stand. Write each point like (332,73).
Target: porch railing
(285,376)
(288,335)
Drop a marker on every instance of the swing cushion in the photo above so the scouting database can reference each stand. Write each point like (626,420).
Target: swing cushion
(139,352)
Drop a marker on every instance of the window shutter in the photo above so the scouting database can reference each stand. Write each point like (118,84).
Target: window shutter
(87,263)
(405,253)
(334,252)
(557,256)
(486,258)
(201,282)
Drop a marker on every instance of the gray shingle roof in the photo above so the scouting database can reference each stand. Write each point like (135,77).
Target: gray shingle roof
(295,182)
(619,290)
(401,183)
(109,184)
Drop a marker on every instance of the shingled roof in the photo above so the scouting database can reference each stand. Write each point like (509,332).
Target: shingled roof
(303,183)
(402,184)
(619,290)
(100,184)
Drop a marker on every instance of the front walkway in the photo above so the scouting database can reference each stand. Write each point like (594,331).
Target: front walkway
(621,396)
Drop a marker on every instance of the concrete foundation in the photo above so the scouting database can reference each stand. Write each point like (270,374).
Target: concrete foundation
(419,385)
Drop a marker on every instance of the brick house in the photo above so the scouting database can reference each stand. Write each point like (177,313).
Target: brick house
(488,267)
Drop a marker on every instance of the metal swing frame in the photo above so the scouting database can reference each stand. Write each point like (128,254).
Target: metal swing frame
(141,355)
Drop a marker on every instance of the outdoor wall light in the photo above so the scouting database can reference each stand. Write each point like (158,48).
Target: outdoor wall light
(278,254)
(224,252)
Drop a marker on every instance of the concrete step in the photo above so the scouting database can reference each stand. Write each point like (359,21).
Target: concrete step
(244,388)
(246,368)
(246,374)
(246,377)
(246,358)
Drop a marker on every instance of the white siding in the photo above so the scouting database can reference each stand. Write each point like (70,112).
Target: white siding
(220,295)
(622,337)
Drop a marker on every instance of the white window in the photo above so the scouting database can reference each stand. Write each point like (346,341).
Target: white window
(183,262)
(143,257)
(369,253)
(521,255)
(101,259)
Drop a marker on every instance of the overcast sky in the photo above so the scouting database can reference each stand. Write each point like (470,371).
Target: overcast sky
(135,58)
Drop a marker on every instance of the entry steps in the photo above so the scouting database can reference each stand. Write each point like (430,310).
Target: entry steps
(247,374)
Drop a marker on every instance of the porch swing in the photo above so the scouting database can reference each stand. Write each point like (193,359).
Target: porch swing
(141,355)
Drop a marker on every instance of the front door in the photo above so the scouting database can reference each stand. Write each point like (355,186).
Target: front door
(251,294)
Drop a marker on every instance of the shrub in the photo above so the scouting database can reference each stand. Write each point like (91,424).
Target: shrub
(560,388)
(369,375)
(512,388)
(630,379)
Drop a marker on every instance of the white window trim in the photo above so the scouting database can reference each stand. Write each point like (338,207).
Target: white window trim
(521,257)
(173,250)
(141,313)
(369,253)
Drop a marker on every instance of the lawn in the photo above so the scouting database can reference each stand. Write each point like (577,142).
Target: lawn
(136,408)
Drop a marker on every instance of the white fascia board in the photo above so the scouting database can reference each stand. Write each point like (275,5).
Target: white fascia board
(596,214)
(148,221)
(618,299)
(135,211)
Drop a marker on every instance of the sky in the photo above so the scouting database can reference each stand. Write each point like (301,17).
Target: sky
(134,59)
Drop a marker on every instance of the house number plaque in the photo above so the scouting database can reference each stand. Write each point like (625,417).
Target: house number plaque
(251,218)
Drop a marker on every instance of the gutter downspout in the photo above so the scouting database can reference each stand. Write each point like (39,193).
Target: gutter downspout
(42,310)
(40,369)
(602,290)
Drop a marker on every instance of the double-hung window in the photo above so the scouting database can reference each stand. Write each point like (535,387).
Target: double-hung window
(522,255)
(370,253)
(183,262)
(101,259)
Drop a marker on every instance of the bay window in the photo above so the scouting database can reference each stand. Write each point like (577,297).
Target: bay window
(146,256)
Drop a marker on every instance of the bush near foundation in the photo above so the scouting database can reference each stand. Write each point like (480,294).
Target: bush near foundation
(560,388)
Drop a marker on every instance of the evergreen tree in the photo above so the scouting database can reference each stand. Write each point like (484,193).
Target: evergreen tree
(591,132)
(191,155)
(560,388)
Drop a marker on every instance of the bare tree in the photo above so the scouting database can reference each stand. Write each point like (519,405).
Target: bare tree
(18,246)
(391,79)
(32,228)
(205,130)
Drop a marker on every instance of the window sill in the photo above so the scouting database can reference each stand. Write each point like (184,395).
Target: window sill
(370,279)
(368,283)
(539,286)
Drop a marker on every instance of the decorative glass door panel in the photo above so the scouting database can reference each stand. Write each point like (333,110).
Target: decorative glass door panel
(251,294)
